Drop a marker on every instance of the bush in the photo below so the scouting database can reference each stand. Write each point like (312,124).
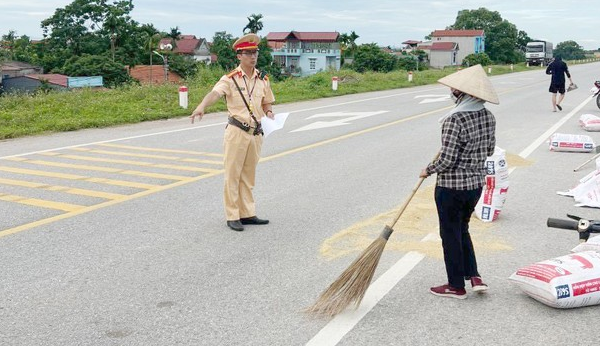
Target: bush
(474,59)
(113,74)
(369,57)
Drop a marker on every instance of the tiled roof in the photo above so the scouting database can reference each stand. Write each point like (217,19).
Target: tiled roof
(443,46)
(304,36)
(17,65)
(52,78)
(187,44)
(456,33)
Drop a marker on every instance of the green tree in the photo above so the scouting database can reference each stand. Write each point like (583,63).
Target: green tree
(522,40)
(92,27)
(348,44)
(265,60)
(501,36)
(254,24)
(369,57)
(174,35)
(151,39)
(569,50)
(113,74)
(8,44)
(222,48)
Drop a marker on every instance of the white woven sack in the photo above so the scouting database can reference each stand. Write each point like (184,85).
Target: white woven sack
(568,281)
(491,202)
(592,244)
(494,192)
(587,194)
(589,122)
(571,143)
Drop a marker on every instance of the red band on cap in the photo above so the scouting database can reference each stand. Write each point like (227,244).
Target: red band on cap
(246,45)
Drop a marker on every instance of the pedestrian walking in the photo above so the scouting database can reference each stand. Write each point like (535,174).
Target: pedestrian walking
(249,97)
(467,139)
(558,69)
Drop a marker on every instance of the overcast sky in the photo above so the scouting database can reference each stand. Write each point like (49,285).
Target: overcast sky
(385,22)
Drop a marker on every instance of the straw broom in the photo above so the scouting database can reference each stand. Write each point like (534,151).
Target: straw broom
(350,287)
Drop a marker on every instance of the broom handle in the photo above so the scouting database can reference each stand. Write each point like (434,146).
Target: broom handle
(412,194)
(586,162)
(407,201)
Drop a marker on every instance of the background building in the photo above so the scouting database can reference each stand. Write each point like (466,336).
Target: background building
(305,53)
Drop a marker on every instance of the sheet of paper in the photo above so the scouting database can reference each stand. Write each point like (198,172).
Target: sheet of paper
(269,125)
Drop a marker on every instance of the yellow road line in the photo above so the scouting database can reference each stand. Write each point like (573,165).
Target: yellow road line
(65,189)
(150,156)
(40,203)
(179,183)
(100,169)
(102,205)
(77,177)
(162,150)
(132,163)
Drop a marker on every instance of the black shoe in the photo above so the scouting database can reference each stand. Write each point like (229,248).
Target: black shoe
(253,220)
(559,107)
(235,225)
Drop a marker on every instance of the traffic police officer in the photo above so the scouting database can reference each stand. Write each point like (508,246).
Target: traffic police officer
(249,97)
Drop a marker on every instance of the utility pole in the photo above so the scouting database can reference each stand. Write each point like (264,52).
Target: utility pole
(165,59)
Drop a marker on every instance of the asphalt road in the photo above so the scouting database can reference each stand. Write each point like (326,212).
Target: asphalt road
(117,236)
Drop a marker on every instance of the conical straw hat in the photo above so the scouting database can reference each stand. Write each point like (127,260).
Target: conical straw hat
(472,81)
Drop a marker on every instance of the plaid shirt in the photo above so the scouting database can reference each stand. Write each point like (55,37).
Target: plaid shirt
(468,138)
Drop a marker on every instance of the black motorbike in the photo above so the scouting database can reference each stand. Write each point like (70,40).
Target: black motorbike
(596,93)
(584,226)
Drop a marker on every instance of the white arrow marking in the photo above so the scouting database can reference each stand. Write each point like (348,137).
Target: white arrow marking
(433,98)
(338,122)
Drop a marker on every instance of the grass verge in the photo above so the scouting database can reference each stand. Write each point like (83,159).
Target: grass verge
(26,115)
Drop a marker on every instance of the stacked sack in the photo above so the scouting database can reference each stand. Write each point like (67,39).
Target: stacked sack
(589,122)
(494,193)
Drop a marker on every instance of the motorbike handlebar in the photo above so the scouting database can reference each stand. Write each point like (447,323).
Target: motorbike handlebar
(582,226)
(564,224)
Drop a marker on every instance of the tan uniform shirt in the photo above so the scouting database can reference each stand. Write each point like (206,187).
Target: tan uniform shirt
(256,92)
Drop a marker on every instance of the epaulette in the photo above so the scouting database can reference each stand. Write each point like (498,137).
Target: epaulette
(262,75)
(232,73)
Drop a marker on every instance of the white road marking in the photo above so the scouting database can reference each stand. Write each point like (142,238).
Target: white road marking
(433,98)
(343,323)
(546,135)
(338,122)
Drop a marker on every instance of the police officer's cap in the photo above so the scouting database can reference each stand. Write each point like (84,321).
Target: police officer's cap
(246,42)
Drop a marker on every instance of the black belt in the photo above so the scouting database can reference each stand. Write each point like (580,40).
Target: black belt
(244,126)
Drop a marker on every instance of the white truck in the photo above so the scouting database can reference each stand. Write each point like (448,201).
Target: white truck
(538,53)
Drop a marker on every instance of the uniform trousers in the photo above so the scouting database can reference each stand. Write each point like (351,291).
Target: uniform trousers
(454,212)
(242,152)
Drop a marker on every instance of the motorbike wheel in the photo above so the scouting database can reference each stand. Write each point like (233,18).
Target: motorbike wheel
(598,100)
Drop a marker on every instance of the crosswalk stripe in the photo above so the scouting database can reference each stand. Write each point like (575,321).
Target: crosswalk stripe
(134,163)
(65,189)
(103,169)
(162,150)
(41,203)
(77,177)
(151,156)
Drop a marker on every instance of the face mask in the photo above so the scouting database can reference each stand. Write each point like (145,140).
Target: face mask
(455,95)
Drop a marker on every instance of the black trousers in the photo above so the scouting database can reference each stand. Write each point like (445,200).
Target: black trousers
(454,212)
